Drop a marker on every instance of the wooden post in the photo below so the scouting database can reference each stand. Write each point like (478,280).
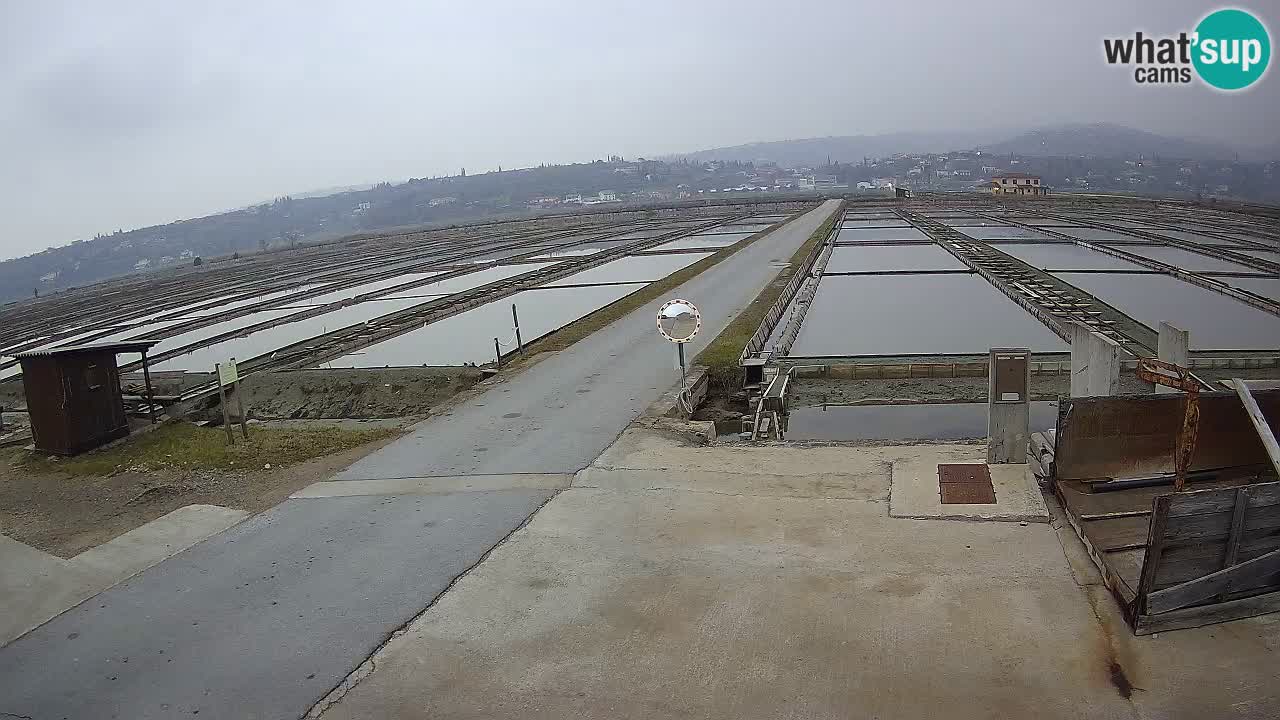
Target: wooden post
(222,397)
(235,390)
(497,352)
(146,377)
(1259,422)
(244,421)
(516,319)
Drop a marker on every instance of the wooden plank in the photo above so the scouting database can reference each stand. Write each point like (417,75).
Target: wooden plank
(1207,614)
(1134,435)
(1180,596)
(1216,500)
(1217,526)
(1127,565)
(1118,533)
(1259,423)
(1237,528)
(1232,552)
(1118,586)
(1182,563)
(1155,546)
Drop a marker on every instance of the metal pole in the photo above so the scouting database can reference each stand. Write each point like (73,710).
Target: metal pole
(680,349)
(146,377)
(497,351)
(516,319)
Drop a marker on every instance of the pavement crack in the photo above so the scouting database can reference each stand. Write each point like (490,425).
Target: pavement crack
(14,715)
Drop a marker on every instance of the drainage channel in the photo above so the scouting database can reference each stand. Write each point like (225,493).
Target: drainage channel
(1053,302)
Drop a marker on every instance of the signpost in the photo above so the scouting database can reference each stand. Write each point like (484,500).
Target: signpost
(229,376)
(679,321)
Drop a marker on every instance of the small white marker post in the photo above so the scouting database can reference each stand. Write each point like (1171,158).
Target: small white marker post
(679,321)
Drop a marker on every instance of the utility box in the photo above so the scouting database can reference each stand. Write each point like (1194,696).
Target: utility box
(1008,405)
(73,395)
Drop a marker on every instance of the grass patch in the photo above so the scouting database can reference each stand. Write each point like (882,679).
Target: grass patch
(575,331)
(182,445)
(721,356)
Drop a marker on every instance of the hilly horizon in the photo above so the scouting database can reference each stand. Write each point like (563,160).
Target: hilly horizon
(1099,140)
(318,215)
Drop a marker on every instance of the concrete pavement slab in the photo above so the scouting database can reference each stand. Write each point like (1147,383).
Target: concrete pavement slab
(915,490)
(628,601)
(435,485)
(35,586)
(262,620)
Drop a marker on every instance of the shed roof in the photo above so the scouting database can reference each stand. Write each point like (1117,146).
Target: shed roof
(119,347)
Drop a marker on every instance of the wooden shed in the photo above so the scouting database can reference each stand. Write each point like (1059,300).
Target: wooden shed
(74,397)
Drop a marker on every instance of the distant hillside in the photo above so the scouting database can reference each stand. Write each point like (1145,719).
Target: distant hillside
(288,221)
(1103,140)
(811,152)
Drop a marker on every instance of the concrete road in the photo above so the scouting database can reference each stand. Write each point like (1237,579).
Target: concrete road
(560,414)
(264,620)
(771,582)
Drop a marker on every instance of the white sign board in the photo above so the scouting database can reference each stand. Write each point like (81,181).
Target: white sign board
(227,372)
(679,320)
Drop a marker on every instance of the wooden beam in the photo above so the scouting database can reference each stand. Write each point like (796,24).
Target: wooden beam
(1236,532)
(1259,422)
(1155,546)
(1207,614)
(1180,596)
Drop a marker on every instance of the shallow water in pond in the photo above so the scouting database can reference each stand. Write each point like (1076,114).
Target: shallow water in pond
(939,421)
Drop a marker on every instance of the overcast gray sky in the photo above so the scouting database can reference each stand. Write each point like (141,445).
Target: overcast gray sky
(125,114)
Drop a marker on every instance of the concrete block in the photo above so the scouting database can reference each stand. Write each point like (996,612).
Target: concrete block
(1173,346)
(1095,363)
(914,492)
(1008,405)
(159,539)
(36,586)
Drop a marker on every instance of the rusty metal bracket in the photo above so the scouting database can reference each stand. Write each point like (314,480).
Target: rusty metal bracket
(1167,374)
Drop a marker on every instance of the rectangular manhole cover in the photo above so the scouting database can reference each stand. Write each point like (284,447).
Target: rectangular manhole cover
(966,484)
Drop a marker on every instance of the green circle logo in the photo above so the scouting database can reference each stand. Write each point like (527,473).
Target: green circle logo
(1232,49)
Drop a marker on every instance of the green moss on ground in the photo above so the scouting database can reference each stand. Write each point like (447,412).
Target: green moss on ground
(183,445)
(721,356)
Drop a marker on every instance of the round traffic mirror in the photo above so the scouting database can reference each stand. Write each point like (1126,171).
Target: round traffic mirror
(679,321)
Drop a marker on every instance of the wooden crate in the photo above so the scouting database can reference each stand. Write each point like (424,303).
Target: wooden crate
(1172,560)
